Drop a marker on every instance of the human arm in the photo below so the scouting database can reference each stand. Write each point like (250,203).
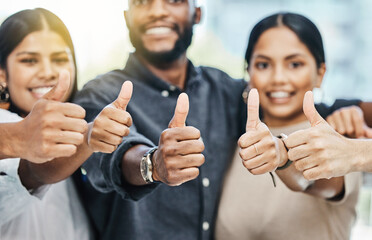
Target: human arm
(104,134)
(178,156)
(52,129)
(321,152)
(260,151)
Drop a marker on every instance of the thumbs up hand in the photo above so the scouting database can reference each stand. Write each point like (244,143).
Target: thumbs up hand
(107,130)
(259,149)
(52,129)
(179,154)
(320,152)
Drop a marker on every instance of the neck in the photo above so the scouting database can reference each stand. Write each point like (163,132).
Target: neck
(272,121)
(174,72)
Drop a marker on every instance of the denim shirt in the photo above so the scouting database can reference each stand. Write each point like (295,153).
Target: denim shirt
(158,211)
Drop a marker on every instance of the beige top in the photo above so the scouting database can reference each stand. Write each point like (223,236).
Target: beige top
(251,208)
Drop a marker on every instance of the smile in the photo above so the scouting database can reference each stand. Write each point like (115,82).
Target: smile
(158,30)
(280,97)
(40,91)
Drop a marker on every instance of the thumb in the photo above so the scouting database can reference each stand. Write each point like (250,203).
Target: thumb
(60,90)
(124,96)
(181,111)
(309,109)
(253,109)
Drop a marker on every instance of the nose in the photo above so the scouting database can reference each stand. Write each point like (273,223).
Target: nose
(279,75)
(158,9)
(47,70)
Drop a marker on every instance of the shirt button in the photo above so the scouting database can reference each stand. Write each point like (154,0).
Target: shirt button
(172,87)
(205,226)
(165,93)
(206,182)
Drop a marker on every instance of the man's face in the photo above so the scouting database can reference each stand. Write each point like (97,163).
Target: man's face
(161,30)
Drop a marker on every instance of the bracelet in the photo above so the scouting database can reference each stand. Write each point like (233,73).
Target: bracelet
(282,137)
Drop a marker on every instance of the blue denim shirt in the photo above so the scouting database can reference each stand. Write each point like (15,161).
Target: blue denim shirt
(157,211)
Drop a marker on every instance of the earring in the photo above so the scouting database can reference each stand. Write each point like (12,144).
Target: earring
(4,94)
(4,97)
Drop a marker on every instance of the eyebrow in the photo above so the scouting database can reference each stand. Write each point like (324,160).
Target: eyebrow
(36,53)
(286,58)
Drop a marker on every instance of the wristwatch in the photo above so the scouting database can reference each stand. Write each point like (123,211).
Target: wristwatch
(146,165)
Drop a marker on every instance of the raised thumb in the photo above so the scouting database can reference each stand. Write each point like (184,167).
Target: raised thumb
(253,104)
(124,96)
(61,89)
(181,111)
(309,109)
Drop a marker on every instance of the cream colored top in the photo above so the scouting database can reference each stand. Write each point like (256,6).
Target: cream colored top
(252,208)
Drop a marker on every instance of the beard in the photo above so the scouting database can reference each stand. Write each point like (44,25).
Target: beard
(156,58)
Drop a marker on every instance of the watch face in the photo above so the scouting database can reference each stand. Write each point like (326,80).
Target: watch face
(144,168)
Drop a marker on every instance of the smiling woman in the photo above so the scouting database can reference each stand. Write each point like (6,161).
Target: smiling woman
(285,58)
(33,68)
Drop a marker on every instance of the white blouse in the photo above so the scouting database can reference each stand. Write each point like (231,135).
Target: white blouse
(51,212)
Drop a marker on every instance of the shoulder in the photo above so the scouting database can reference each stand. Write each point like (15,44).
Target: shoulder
(101,90)
(222,79)
(7,116)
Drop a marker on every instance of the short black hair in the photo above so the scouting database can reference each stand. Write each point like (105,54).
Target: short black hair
(17,26)
(305,30)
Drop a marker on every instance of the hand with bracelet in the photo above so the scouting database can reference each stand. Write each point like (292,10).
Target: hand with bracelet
(261,152)
(179,154)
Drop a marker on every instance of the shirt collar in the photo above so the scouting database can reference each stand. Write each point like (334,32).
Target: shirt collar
(134,68)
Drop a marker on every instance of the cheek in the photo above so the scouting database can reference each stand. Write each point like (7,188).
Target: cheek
(259,80)
(304,80)
(71,70)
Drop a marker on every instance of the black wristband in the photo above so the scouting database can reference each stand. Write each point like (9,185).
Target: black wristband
(282,136)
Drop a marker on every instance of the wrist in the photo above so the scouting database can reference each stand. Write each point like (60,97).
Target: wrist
(283,151)
(13,146)
(361,159)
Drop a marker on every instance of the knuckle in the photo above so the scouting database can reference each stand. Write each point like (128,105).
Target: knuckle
(80,139)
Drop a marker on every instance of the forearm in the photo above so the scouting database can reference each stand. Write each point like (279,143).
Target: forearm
(362,161)
(131,165)
(327,188)
(34,175)
(9,143)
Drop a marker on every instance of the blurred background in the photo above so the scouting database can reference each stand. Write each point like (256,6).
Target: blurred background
(102,44)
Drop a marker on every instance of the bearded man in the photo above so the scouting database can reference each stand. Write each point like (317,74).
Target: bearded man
(164,179)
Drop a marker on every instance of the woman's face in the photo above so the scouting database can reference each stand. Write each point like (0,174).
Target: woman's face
(34,65)
(283,69)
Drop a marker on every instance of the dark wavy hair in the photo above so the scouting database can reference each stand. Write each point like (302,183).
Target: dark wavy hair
(17,26)
(305,30)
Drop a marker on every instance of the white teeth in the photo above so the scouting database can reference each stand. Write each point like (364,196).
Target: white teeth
(41,90)
(159,30)
(279,94)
